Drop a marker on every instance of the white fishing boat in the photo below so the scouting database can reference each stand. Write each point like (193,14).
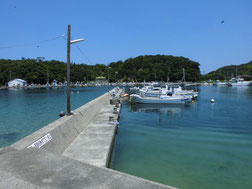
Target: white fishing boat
(77,84)
(177,90)
(54,83)
(161,99)
(47,85)
(65,84)
(150,91)
(240,82)
(219,83)
(134,90)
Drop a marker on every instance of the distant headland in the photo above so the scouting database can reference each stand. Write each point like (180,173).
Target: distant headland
(138,69)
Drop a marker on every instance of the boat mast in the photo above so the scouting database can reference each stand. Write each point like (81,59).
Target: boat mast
(167,82)
(236,72)
(183,75)
(183,79)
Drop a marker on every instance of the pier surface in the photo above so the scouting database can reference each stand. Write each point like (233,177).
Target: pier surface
(38,168)
(71,152)
(94,144)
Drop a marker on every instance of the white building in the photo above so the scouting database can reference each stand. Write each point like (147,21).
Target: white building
(17,83)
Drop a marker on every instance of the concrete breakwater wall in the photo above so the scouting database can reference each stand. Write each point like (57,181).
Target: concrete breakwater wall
(61,133)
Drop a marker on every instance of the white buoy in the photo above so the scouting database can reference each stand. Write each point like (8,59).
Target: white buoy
(78,92)
(212,100)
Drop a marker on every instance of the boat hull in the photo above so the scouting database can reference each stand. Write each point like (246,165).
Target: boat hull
(161,100)
(193,95)
(242,84)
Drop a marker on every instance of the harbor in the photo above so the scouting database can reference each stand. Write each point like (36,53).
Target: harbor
(204,145)
(156,142)
(126,95)
(72,148)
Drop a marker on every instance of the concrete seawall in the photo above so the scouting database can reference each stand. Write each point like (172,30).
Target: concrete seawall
(71,152)
(64,130)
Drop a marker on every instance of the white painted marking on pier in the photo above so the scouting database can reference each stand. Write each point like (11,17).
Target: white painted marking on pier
(41,142)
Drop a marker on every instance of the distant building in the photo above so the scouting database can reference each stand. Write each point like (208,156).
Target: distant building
(17,83)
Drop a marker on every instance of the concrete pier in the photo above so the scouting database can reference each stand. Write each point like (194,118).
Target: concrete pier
(71,152)
(38,168)
(94,144)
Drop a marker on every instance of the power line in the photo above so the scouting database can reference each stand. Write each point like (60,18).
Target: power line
(34,43)
(44,41)
(80,51)
(83,53)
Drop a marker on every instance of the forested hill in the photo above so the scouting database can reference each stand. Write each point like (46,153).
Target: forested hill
(227,72)
(157,67)
(148,68)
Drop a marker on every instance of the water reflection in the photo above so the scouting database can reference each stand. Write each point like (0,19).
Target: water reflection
(161,108)
(241,91)
(160,112)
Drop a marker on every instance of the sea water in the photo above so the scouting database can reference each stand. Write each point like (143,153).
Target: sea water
(23,111)
(204,145)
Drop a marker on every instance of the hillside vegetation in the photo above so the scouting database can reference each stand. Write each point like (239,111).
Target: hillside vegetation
(148,68)
(227,72)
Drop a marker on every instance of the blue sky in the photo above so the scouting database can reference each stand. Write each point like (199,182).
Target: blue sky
(116,30)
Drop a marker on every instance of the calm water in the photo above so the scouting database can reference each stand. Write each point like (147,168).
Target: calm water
(25,111)
(201,146)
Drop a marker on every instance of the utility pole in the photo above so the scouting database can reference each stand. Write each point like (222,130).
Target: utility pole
(68,69)
(108,77)
(69,42)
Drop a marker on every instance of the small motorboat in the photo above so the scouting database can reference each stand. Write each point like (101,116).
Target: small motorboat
(163,99)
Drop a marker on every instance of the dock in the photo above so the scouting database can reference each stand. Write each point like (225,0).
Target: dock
(94,144)
(71,152)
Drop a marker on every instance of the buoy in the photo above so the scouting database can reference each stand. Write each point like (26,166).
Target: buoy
(61,114)
(78,92)
(212,100)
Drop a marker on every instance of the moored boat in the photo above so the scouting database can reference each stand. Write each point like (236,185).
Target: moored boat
(161,99)
(219,83)
(240,82)
(134,90)
(176,90)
